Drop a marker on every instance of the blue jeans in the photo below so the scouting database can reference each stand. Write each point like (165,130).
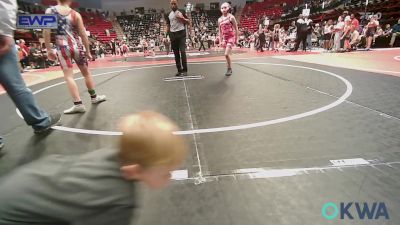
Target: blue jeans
(11,79)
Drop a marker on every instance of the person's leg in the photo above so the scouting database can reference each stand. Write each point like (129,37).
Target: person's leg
(175,48)
(297,43)
(369,42)
(228,52)
(393,39)
(71,84)
(90,84)
(88,77)
(11,80)
(337,42)
(276,44)
(81,62)
(304,41)
(182,50)
(342,43)
(64,56)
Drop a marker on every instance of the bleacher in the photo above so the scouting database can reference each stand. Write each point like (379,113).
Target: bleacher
(96,24)
(273,9)
(136,27)
(209,16)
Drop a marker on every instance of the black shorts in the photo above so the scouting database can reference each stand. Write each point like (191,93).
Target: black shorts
(370,32)
(327,36)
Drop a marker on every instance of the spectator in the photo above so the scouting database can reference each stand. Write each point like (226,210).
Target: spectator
(346,16)
(338,29)
(275,37)
(328,33)
(113,46)
(387,31)
(355,39)
(354,22)
(202,38)
(317,32)
(261,41)
(35,57)
(371,30)
(310,28)
(395,33)
(25,51)
(346,35)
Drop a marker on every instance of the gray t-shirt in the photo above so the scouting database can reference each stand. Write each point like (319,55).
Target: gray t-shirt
(175,23)
(73,190)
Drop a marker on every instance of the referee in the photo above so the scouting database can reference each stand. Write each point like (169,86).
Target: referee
(176,21)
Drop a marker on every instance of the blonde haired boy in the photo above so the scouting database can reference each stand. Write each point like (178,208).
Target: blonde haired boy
(96,188)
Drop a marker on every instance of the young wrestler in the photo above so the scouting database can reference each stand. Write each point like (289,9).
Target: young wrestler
(275,37)
(228,33)
(69,47)
(97,188)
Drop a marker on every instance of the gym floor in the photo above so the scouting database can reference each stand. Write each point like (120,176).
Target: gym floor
(270,145)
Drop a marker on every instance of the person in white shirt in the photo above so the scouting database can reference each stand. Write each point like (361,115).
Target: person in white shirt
(355,39)
(338,29)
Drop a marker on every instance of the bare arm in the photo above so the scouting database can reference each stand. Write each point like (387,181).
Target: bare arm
(47,35)
(82,32)
(183,18)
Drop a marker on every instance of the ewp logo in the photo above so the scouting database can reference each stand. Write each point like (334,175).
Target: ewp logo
(37,21)
(378,210)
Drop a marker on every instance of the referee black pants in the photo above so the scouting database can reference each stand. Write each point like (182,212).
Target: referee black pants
(301,37)
(178,44)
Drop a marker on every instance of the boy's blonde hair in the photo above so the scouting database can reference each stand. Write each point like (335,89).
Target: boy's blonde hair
(148,141)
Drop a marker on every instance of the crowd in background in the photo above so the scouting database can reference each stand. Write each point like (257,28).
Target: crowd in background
(344,34)
(144,33)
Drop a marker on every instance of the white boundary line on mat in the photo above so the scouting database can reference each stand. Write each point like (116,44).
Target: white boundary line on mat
(349,90)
